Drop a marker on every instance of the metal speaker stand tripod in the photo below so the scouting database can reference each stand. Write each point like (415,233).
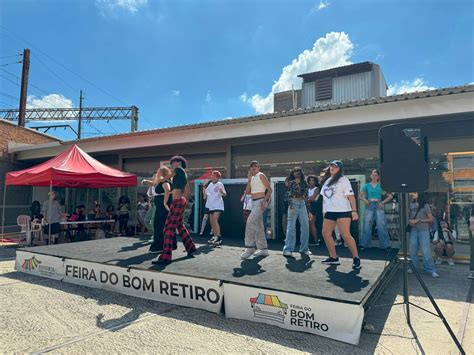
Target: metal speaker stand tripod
(406,263)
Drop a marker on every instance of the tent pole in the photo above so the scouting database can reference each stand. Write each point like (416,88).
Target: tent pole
(136,210)
(49,210)
(3,209)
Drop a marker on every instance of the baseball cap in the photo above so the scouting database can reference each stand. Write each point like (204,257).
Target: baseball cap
(337,163)
(255,162)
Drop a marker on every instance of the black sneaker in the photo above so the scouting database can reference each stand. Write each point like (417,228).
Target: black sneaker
(356,264)
(331,261)
(155,251)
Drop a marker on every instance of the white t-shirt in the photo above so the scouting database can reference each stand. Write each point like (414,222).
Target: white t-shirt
(214,199)
(311,191)
(334,196)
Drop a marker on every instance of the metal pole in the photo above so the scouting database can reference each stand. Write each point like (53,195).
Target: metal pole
(3,209)
(81,97)
(24,87)
(134,119)
(404,240)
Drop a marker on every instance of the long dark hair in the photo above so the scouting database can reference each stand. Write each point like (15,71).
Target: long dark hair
(327,175)
(292,177)
(422,200)
(315,178)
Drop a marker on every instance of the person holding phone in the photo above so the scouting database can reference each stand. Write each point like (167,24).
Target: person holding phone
(259,188)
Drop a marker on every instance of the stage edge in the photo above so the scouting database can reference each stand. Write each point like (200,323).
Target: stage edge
(180,290)
(335,320)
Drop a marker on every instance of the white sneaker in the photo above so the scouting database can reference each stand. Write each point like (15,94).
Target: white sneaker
(287,253)
(261,253)
(307,252)
(450,262)
(471,275)
(435,274)
(247,253)
(410,271)
(439,261)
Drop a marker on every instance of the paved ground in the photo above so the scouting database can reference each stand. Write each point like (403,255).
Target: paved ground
(41,315)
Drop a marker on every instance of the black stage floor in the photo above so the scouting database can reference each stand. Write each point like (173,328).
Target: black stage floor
(302,275)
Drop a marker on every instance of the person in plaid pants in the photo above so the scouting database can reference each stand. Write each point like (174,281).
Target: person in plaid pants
(174,221)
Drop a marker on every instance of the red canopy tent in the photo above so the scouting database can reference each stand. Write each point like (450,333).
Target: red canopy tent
(72,168)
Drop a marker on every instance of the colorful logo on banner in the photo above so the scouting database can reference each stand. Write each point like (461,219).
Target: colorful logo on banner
(269,307)
(30,264)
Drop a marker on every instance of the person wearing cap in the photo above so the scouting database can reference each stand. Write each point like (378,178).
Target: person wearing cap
(175,218)
(213,194)
(339,208)
(259,187)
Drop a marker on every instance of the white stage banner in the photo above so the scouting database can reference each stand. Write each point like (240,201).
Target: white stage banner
(158,286)
(39,265)
(336,320)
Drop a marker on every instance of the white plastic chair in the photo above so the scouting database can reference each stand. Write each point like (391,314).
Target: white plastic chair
(37,230)
(24,222)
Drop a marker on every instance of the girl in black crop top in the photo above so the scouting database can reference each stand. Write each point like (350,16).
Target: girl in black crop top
(162,201)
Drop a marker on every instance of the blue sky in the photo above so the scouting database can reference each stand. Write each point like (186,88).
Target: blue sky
(190,61)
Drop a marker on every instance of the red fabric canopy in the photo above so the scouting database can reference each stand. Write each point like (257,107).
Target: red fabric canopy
(72,168)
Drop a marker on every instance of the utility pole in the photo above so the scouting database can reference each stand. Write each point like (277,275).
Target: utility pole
(134,119)
(24,87)
(81,97)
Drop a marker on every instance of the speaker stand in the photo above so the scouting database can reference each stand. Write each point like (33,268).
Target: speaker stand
(405,262)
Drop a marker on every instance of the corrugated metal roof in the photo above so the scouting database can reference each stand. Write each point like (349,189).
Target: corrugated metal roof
(300,111)
(338,71)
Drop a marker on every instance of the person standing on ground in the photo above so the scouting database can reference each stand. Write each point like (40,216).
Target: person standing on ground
(339,207)
(313,198)
(444,239)
(259,187)
(372,196)
(213,195)
(296,194)
(123,211)
(420,220)
(162,201)
(142,209)
(175,218)
(52,216)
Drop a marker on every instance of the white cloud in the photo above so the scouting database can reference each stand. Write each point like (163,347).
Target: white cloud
(406,86)
(48,101)
(175,92)
(322,5)
(208,96)
(332,50)
(127,5)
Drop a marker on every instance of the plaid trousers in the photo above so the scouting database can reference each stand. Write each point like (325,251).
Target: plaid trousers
(175,221)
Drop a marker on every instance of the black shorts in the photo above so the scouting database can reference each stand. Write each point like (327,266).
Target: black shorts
(212,211)
(334,216)
(206,210)
(55,228)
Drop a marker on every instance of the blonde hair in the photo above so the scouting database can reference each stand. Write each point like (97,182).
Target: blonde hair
(164,170)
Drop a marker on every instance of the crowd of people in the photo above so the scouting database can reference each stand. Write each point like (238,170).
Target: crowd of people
(324,208)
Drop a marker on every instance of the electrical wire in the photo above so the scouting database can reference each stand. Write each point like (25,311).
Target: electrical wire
(7,64)
(11,56)
(63,66)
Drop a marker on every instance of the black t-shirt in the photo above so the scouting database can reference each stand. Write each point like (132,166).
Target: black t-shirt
(180,180)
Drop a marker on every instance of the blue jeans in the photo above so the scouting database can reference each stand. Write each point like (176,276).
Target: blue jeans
(372,211)
(297,210)
(421,239)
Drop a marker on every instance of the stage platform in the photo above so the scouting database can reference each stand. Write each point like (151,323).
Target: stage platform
(297,293)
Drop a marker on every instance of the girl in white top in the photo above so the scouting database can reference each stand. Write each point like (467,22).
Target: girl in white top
(339,208)
(213,195)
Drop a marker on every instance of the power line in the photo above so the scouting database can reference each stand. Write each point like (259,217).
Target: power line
(62,65)
(7,64)
(5,104)
(10,80)
(9,96)
(11,56)
(56,75)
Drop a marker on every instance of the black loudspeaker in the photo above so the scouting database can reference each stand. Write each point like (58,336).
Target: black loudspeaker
(404,159)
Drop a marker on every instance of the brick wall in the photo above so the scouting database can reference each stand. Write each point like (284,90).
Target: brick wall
(10,132)
(18,197)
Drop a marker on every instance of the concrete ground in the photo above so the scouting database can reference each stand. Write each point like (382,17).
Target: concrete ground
(42,315)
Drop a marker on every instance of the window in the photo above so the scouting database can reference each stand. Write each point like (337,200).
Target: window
(464,162)
(323,89)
